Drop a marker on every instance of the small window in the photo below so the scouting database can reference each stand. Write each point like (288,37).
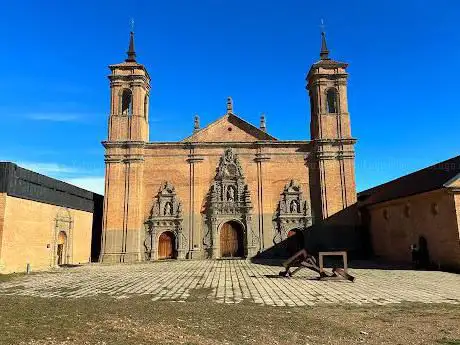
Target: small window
(331,96)
(127,102)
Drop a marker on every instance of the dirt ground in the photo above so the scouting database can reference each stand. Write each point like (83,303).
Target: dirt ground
(138,320)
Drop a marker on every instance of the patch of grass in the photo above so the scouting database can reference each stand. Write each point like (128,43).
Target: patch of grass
(449,342)
(139,320)
(9,277)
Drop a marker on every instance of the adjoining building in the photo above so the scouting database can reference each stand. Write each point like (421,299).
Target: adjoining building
(45,223)
(420,210)
(230,189)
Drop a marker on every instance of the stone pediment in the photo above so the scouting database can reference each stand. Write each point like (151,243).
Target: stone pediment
(229,128)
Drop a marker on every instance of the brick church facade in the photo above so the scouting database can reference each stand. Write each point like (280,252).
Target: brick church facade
(230,189)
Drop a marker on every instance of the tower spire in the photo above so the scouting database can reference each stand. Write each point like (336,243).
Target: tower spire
(131,53)
(324,54)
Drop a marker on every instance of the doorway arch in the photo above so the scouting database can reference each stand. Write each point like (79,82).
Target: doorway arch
(167,245)
(61,253)
(231,240)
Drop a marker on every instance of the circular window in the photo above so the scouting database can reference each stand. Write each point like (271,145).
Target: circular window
(229,129)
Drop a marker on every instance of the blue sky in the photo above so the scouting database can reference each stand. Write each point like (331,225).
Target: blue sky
(403,86)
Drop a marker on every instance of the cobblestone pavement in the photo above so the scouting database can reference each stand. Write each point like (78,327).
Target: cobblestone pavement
(232,281)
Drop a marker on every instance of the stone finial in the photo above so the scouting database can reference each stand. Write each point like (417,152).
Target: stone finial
(229,105)
(196,123)
(263,124)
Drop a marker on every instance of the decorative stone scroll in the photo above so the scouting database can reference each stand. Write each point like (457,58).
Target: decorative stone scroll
(293,212)
(228,199)
(165,215)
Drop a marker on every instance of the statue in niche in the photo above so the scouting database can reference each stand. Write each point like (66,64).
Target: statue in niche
(230,194)
(293,212)
(168,209)
(295,207)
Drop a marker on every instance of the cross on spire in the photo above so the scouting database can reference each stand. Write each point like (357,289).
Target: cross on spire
(132,24)
(131,53)
(324,54)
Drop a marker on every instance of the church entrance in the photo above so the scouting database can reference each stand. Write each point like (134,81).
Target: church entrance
(231,240)
(167,245)
(61,248)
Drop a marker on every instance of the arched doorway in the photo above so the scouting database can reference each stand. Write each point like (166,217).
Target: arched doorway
(167,245)
(231,240)
(61,248)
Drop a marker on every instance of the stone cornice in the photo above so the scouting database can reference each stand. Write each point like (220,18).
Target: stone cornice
(192,158)
(129,66)
(143,84)
(333,114)
(114,78)
(123,159)
(254,144)
(122,115)
(110,159)
(342,141)
(341,154)
(261,157)
(123,144)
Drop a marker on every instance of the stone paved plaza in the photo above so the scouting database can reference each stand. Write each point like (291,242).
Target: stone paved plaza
(233,281)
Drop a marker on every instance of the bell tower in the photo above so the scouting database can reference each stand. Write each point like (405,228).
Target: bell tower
(129,102)
(333,146)
(128,132)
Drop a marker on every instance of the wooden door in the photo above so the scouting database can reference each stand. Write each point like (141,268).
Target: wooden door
(59,254)
(61,248)
(166,245)
(230,241)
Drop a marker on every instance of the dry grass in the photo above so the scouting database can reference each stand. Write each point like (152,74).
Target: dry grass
(138,320)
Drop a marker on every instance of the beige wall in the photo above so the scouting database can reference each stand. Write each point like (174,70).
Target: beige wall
(30,232)
(397,224)
(2,218)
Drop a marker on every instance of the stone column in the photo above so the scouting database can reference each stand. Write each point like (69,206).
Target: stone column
(251,240)
(181,246)
(215,243)
(194,249)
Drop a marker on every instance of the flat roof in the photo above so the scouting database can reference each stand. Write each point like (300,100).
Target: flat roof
(26,184)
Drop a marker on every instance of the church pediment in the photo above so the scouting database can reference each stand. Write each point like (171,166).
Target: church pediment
(229,128)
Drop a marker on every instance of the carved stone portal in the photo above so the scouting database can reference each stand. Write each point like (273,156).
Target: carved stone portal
(166,215)
(63,236)
(228,199)
(293,212)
